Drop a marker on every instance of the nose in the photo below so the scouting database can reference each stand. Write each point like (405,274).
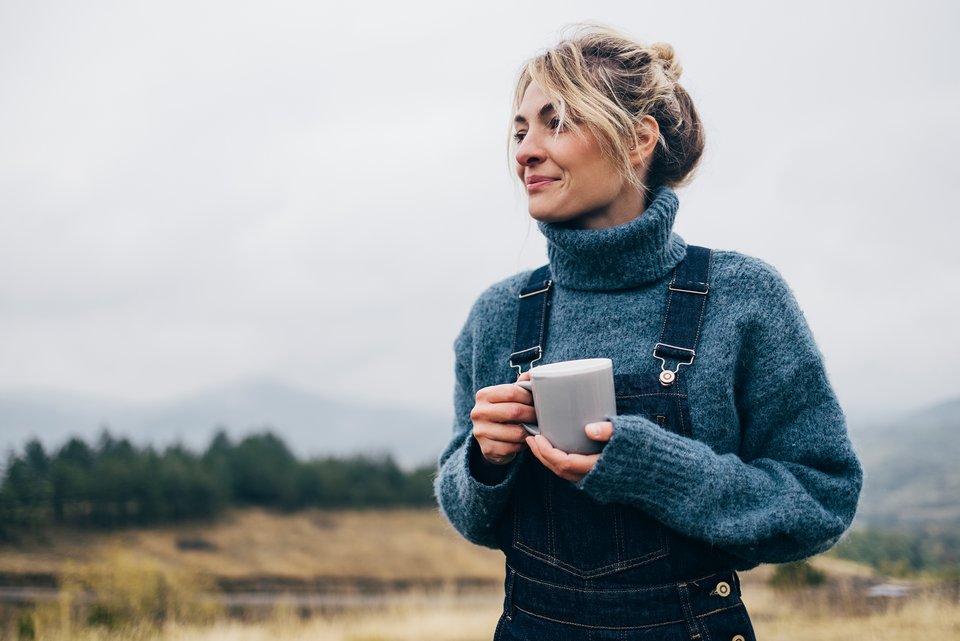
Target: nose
(529,151)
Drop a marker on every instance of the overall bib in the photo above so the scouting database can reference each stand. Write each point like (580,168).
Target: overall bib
(578,569)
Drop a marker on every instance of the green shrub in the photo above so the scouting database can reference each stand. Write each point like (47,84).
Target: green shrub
(799,574)
(123,591)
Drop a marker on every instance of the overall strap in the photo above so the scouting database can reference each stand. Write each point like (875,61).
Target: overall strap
(531,331)
(686,302)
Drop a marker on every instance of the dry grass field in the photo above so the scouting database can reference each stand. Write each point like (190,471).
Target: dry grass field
(383,545)
(776,618)
(414,549)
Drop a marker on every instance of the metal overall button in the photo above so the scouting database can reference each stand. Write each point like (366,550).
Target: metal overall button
(738,637)
(723,589)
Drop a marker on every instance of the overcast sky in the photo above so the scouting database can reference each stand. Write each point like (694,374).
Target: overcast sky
(198,193)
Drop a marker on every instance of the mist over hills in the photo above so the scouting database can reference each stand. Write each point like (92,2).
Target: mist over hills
(912,478)
(310,424)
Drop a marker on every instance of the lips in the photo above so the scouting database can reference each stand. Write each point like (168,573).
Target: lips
(535,182)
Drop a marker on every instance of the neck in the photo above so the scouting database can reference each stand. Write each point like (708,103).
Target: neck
(628,205)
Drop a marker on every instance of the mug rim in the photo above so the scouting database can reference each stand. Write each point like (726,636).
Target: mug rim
(567,368)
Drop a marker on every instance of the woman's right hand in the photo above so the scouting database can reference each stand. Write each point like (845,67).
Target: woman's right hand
(495,417)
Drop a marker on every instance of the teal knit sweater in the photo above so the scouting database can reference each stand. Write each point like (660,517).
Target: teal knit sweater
(769,474)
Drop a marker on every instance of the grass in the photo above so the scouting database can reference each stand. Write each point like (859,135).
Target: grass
(776,618)
(129,571)
(827,616)
(384,545)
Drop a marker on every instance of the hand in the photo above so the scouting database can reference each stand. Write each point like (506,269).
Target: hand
(498,410)
(571,467)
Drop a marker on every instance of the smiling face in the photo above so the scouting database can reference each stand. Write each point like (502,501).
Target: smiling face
(567,177)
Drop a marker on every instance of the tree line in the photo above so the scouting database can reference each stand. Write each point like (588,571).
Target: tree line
(114,483)
(931,549)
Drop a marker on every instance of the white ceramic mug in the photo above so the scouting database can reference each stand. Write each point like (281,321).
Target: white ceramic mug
(567,396)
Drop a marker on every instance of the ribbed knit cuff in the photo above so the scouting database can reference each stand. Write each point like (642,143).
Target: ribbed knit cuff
(645,465)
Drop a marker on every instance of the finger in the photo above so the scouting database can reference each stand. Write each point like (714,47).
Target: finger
(500,453)
(484,412)
(535,448)
(504,394)
(599,431)
(537,444)
(562,463)
(525,376)
(581,464)
(500,432)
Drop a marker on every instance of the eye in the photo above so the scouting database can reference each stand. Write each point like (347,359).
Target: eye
(518,136)
(556,126)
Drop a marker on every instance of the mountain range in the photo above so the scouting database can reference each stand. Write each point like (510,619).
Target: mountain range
(911,474)
(910,461)
(310,424)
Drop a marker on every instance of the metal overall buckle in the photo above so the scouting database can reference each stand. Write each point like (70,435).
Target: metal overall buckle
(668,376)
(519,366)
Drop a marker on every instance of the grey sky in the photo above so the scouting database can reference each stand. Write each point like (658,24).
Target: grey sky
(197,193)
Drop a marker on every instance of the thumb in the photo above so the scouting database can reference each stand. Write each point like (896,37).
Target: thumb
(599,431)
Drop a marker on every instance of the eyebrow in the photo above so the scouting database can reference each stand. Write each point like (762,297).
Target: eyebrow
(544,110)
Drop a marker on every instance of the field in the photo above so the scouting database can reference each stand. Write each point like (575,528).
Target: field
(252,547)
(408,574)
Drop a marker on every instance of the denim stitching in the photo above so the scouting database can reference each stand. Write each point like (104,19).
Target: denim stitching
(551,522)
(610,568)
(688,617)
(718,611)
(650,588)
(497,632)
(598,627)
(697,634)
(683,423)
(703,303)
(543,321)
(666,313)
(618,535)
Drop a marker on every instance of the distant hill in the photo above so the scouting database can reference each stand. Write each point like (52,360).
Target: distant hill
(912,468)
(911,461)
(310,424)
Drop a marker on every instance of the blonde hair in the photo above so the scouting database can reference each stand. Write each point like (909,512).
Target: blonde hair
(607,82)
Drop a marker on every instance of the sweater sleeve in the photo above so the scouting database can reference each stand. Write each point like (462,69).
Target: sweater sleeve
(471,493)
(792,488)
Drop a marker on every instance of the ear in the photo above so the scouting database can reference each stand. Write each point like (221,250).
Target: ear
(648,134)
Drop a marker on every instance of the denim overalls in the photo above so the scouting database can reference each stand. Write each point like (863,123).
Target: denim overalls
(578,569)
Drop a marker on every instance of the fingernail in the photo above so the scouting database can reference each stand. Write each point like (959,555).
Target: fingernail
(593,429)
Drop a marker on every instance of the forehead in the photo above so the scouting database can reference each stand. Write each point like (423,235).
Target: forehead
(534,100)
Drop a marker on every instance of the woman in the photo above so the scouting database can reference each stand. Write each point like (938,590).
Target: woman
(728,449)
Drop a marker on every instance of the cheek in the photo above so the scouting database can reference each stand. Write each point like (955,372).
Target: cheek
(599,180)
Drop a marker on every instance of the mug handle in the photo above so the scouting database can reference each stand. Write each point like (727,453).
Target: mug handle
(532,428)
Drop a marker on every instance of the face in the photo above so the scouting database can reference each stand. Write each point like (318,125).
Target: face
(567,177)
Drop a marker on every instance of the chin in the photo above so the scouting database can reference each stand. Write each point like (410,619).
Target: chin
(549,215)
(564,220)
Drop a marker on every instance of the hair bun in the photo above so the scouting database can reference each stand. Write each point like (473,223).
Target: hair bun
(667,57)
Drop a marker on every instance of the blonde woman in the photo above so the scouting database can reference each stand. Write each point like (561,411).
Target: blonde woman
(728,449)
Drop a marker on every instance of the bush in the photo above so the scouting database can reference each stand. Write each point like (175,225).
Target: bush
(124,591)
(799,574)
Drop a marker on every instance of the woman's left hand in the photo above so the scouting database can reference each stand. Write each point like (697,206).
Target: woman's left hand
(571,467)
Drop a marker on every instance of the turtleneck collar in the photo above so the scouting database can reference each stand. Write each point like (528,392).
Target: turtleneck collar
(629,255)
